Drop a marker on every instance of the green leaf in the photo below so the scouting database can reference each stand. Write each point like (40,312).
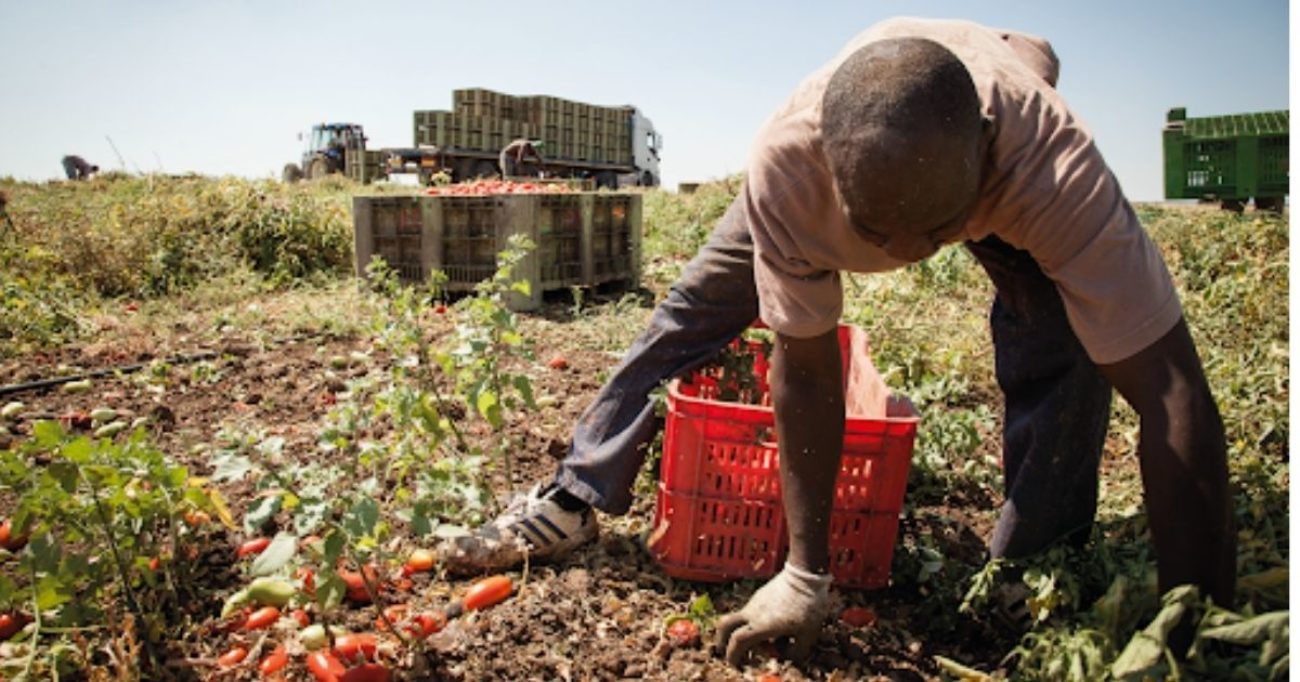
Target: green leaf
(230,467)
(334,543)
(361,519)
(421,524)
(47,434)
(330,589)
(46,554)
(489,407)
(311,514)
(282,549)
(525,388)
(961,672)
(79,451)
(65,474)
(1252,631)
(51,592)
(262,512)
(272,447)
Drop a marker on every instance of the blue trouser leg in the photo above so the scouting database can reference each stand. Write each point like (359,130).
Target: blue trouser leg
(1057,408)
(713,302)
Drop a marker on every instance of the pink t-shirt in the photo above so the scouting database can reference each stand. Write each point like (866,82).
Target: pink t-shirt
(1045,189)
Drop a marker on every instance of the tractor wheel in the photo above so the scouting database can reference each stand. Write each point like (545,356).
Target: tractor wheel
(292,173)
(318,168)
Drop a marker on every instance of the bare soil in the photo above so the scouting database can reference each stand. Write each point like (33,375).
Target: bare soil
(599,615)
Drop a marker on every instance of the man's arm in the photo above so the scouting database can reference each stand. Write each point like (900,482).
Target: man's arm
(808,403)
(1184,464)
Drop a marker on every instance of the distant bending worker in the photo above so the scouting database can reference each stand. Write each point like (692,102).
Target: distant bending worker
(516,153)
(77,169)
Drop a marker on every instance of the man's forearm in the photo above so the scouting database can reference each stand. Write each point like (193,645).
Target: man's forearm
(808,402)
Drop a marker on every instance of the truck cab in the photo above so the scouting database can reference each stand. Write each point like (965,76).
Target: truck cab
(646,147)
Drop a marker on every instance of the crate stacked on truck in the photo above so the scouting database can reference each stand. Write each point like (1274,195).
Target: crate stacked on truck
(1230,159)
(612,145)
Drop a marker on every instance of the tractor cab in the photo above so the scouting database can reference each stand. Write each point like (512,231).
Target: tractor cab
(327,150)
(333,140)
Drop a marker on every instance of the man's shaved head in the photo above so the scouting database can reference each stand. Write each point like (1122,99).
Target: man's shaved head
(901,131)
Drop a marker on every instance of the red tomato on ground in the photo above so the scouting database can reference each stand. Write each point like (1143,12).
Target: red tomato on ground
(275,662)
(487,592)
(325,667)
(9,540)
(262,618)
(351,646)
(858,616)
(683,633)
(12,623)
(233,657)
(253,547)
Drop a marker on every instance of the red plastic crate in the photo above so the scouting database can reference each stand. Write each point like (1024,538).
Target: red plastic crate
(719,514)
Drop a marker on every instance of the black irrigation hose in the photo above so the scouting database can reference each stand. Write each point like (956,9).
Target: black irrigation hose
(93,374)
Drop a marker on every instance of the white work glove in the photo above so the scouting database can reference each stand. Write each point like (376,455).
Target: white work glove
(792,604)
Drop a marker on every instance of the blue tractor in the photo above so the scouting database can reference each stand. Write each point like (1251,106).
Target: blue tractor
(327,151)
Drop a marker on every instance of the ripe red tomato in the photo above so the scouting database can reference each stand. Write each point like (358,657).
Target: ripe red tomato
(12,623)
(275,662)
(325,667)
(356,585)
(487,592)
(233,657)
(351,646)
(426,624)
(9,540)
(858,616)
(253,547)
(262,618)
(683,633)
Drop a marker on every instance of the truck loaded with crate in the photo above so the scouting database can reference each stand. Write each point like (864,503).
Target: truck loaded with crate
(1230,159)
(607,146)
(614,146)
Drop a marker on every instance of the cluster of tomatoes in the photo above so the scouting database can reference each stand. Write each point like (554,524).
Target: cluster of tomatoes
(477,188)
(331,653)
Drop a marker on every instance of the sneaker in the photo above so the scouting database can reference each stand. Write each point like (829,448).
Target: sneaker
(532,527)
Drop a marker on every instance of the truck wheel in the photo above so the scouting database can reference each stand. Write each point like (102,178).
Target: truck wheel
(648,180)
(1234,205)
(606,179)
(1270,204)
(292,173)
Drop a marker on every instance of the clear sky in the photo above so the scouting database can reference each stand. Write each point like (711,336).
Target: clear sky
(224,87)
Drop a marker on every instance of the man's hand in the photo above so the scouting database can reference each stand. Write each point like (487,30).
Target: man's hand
(792,604)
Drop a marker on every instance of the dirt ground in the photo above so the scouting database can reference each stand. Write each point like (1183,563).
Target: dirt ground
(597,616)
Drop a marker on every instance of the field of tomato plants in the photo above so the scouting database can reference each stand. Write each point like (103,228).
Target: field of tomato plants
(224,457)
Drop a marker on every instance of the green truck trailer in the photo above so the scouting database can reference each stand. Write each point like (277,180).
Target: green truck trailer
(1230,159)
